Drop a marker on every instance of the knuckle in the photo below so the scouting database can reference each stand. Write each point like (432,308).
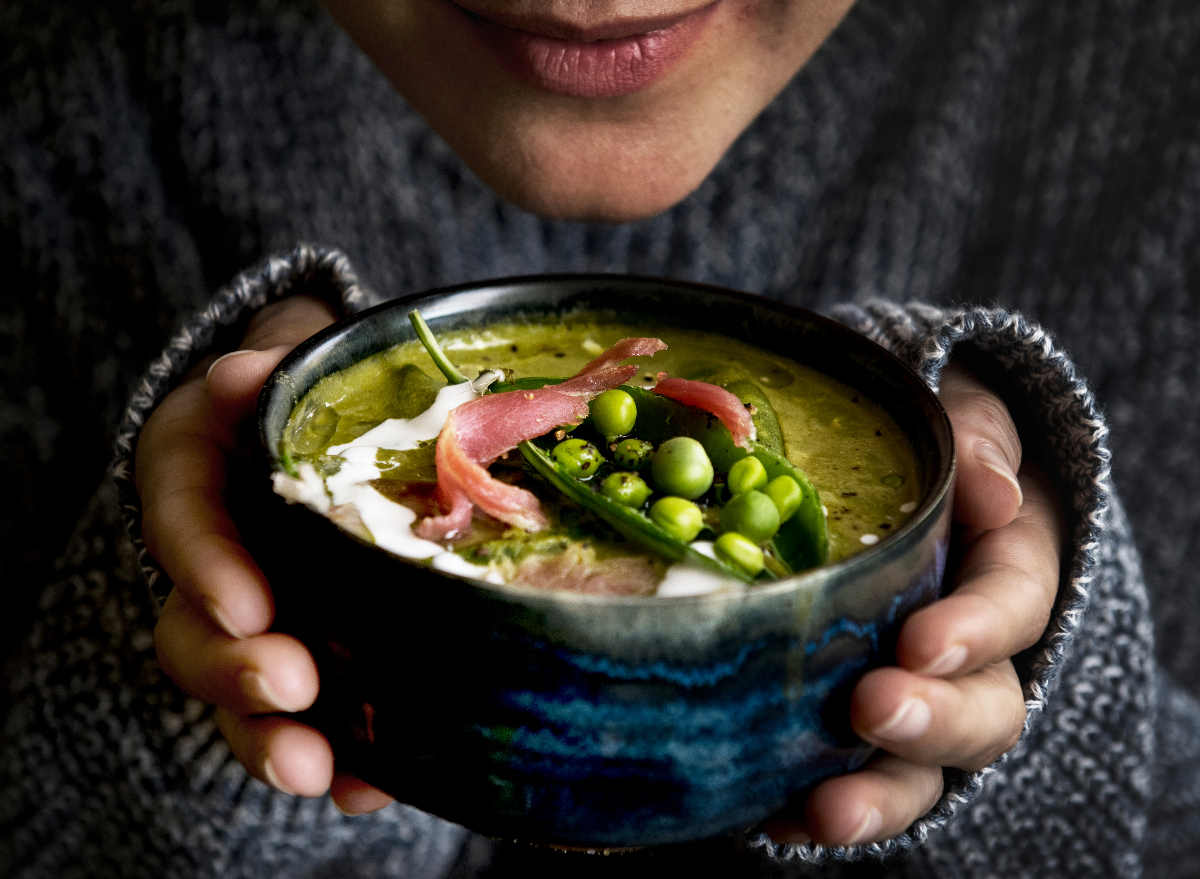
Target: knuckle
(1003,733)
(985,407)
(990,418)
(286,322)
(1008,739)
(1012,735)
(931,788)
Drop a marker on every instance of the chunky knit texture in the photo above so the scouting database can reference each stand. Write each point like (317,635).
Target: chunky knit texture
(1030,157)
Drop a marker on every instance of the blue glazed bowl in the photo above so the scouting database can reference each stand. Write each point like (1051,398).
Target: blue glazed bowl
(587,720)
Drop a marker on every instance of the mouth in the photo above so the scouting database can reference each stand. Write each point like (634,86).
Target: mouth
(596,60)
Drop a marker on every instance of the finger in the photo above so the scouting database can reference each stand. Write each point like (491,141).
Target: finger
(876,803)
(181,475)
(353,796)
(180,472)
(967,722)
(1003,594)
(278,751)
(987,493)
(271,672)
(234,380)
(287,322)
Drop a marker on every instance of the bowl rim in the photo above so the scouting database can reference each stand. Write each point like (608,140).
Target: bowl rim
(843,570)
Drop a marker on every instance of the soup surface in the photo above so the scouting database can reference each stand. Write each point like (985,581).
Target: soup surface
(360,448)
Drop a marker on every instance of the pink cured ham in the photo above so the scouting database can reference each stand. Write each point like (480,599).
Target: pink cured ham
(711,398)
(480,431)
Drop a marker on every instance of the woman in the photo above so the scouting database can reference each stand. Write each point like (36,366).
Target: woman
(918,153)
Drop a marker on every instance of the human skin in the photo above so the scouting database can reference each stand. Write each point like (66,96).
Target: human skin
(613,158)
(953,699)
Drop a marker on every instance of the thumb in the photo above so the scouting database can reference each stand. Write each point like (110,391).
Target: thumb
(233,381)
(987,494)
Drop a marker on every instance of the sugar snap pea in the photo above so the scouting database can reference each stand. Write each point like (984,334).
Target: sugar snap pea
(739,383)
(628,522)
(802,541)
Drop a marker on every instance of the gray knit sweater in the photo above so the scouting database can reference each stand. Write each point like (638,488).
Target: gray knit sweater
(1024,156)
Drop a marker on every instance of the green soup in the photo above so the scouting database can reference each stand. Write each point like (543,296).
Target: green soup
(859,462)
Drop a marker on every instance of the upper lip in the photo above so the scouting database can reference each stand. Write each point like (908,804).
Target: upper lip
(559,27)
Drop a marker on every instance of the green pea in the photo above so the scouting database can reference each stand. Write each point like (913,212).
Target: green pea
(786,494)
(752,514)
(735,550)
(681,467)
(680,518)
(633,454)
(628,489)
(613,413)
(747,474)
(578,457)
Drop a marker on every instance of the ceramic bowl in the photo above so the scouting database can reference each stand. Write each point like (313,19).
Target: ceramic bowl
(584,720)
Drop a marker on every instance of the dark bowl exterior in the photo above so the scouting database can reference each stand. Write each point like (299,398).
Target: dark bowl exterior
(583,720)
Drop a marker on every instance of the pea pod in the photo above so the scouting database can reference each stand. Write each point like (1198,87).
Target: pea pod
(741,385)
(628,522)
(659,419)
(803,540)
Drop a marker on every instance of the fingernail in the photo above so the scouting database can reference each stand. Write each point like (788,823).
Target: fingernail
(908,722)
(256,685)
(226,357)
(221,619)
(272,778)
(948,663)
(869,828)
(362,802)
(993,459)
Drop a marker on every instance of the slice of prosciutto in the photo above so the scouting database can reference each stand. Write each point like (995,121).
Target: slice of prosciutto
(711,398)
(480,431)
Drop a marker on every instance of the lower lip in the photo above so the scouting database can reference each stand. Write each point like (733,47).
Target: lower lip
(596,69)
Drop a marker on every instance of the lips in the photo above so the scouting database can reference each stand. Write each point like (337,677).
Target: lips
(616,58)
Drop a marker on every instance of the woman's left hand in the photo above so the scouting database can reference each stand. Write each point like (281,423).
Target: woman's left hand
(953,698)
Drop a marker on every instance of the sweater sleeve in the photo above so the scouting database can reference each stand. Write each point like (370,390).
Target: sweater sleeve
(1075,791)
(306,270)
(107,769)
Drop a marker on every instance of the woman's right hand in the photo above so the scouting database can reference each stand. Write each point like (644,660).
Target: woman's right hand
(213,637)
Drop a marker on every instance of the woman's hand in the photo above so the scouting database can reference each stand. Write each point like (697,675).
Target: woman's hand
(212,637)
(953,698)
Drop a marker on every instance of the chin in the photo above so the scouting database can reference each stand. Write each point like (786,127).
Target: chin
(614,161)
(591,185)
(573,145)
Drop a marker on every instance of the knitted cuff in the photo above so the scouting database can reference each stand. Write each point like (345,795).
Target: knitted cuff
(306,270)
(1060,408)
